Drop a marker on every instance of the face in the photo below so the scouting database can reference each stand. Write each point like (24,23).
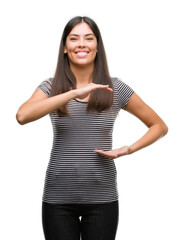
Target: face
(81,45)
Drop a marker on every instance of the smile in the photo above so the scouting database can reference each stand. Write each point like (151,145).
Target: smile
(81,53)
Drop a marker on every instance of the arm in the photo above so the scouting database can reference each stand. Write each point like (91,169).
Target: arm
(157,128)
(40,105)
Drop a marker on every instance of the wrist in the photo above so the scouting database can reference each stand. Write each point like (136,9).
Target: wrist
(73,93)
(130,150)
(125,150)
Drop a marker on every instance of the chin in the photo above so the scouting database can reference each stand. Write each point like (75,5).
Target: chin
(83,63)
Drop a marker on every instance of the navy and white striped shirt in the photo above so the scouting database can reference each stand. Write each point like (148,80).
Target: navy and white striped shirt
(75,173)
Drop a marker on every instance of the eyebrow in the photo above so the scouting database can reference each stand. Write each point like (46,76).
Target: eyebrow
(76,35)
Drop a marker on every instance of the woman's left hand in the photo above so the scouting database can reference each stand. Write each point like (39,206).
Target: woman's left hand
(114,153)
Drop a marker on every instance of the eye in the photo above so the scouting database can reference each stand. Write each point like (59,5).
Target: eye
(73,39)
(89,39)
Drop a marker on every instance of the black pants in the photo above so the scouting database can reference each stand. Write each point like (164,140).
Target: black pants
(70,221)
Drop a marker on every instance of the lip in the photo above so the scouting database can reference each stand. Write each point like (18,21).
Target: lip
(81,51)
(81,54)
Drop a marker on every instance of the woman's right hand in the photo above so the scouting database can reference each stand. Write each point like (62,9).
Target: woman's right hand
(82,93)
(40,105)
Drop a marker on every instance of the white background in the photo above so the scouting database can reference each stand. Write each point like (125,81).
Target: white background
(144,42)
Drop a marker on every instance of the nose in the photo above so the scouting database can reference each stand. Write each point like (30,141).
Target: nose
(81,42)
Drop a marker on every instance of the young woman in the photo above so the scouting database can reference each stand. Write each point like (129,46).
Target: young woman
(80,195)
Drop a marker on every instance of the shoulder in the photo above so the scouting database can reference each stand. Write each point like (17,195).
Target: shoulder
(48,81)
(118,84)
(45,86)
(122,92)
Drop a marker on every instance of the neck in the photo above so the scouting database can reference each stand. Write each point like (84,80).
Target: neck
(83,75)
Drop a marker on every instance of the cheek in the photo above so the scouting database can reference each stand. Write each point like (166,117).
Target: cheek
(71,55)
(70,52)
(70,46)
(94,47)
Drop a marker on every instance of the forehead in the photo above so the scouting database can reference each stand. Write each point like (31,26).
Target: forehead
(81,29)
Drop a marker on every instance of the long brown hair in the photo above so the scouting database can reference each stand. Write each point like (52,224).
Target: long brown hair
(64,79)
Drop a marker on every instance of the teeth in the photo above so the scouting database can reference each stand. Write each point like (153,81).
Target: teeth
(81,54)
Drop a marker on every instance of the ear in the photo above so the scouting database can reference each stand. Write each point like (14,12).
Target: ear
(65,50)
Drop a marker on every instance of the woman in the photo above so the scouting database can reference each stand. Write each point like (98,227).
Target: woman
(80,194)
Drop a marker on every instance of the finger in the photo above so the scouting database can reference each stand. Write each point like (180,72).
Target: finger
(108,88)
(103,153)
(98,151)
(104,87)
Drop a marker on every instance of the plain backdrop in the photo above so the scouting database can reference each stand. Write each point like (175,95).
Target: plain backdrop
(144,42)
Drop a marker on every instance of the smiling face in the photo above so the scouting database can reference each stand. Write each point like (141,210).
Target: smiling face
(81,45)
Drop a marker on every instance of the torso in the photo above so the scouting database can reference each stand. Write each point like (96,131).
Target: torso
(76,174)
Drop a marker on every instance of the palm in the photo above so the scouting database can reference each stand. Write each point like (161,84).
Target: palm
(115,153)
(85,91)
